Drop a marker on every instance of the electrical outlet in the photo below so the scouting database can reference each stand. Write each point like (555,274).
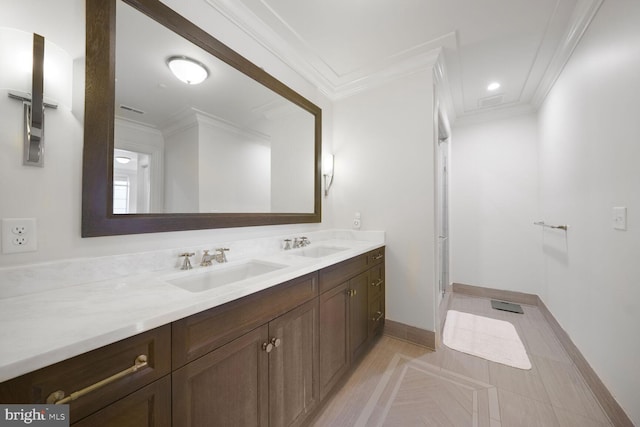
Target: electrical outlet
(19,240)
(19,235)
(19,229)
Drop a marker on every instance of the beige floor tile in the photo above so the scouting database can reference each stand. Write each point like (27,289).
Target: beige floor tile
(567,389)
(570,419)
(552,393)
(521,411)
(526,383)
(465,364)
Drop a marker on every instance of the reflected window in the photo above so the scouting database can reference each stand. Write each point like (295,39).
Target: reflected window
(120,194)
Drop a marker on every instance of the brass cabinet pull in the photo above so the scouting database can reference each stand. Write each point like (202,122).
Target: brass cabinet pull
(378,316)
(377,257)
(351,292)
(378,283)
(275,341)
(58,397)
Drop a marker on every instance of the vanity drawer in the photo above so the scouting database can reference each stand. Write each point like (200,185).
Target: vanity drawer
(88,369)
(376,256)
(376,316)
(376,281)
(196,335)
(331,277)
(150,407)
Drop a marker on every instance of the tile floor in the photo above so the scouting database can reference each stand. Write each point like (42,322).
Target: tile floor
(401,384)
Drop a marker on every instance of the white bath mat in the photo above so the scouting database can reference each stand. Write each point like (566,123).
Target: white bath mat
(491,339)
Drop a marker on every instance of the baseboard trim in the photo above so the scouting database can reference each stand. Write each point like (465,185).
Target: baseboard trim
(511,296)
(421,337)
(604,397)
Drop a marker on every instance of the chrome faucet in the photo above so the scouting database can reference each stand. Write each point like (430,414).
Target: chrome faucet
(220,255)
(186,264)
(300,242)
(207,258)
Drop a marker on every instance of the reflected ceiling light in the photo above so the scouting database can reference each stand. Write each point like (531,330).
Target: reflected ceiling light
(493,86)
(188,70)
(122,159)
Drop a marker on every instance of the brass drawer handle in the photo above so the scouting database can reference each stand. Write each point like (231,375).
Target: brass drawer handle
(58,397)
(377,257)
(378,283)
(379,315)
(351,292)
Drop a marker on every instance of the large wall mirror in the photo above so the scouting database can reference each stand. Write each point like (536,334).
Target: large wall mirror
(165,152)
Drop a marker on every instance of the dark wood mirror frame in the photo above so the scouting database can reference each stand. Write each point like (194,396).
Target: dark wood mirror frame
(97,173)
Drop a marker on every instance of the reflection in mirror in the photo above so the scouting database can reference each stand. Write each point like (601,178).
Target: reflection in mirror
(238,149)
(225,145)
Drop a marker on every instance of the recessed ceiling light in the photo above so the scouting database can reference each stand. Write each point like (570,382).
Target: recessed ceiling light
(188,70)
(493,86)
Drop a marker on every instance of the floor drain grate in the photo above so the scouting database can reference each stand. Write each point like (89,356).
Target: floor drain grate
(506,306)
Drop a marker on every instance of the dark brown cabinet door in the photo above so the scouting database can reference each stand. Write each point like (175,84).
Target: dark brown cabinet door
(227,387)
(293,365)
(334,337)
(147,407)
(358,314)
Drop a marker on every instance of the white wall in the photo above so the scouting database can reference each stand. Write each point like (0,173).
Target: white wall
(494,202)
(292,163)
(181,170)
(384,157)
(590,162)
(52,195)
(234,169)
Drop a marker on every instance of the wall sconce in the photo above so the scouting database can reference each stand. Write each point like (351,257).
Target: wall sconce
(34,108)
(188,70)
(327,171)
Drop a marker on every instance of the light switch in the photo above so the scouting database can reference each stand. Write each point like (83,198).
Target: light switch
(620,218)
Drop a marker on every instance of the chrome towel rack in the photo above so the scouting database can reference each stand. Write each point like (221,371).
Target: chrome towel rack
(543,224)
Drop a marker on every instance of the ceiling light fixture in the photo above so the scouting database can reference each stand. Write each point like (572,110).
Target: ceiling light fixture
(188,70)
(493,86)
(122,159)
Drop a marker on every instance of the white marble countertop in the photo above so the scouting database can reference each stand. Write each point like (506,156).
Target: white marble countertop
(42,328)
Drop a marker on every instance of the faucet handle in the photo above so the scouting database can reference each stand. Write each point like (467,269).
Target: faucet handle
(304,241)
(186,264)
(287,244)
(220,254)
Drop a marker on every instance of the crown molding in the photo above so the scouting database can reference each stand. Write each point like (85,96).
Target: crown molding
(317,72)
(497,113)
(581,18)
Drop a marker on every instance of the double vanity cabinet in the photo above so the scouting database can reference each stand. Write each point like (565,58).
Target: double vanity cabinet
(267,359)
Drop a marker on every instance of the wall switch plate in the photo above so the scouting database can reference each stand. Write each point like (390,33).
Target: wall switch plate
(19,235)
(620,218)
(356,221)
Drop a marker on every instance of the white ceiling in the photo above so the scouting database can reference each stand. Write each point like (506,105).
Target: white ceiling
(344,46)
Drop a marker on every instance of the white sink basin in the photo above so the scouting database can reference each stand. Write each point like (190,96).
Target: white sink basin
(222,276)
(318,251)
